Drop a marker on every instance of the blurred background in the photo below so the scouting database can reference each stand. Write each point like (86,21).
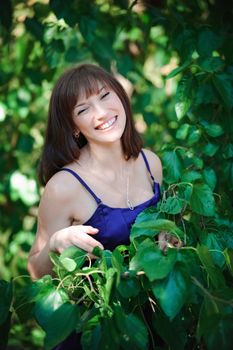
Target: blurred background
(175,59)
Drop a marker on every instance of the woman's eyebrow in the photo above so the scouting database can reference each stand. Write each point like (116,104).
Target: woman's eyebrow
(98,92)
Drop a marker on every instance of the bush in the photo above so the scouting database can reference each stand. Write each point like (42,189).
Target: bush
(178,57)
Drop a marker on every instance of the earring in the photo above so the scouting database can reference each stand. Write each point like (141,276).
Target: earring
(76,134)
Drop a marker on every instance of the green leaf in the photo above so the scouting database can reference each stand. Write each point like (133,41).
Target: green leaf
(54,257)
(35,27)
(97,251)
(205,94)
(191,176)
(194,135)
(87,27)
(54,53)
(91,337)
(209,309)
(184,40)
(154,262)
(210,149)
(109,287)
(172,291)
(61,10)
(60,324)
(215,247)
(32,292)
(214,130)
(72,258)
(210,177)
(172,205)
(172,163)
(148,214)
(69,264)
(182,132)
(151,228)
(133,331)
(210,64)
(4,331)
(136,331)
(178,70)
(198,162)
(208,41)
(183,97)
(47,305)
(117,260)
(202,200)
(219,334)
(166,330)
(227,151)
(224,87)
(215,326)
(106,258)
(213,272)
(6,295)
(128,287)
(228,253)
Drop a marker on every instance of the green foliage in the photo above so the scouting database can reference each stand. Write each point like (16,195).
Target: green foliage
(178,57)
(138,290)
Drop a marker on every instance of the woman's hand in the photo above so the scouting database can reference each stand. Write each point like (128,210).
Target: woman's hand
(166,240)
(77,235)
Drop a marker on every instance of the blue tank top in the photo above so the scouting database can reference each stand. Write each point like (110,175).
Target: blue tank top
(114,224)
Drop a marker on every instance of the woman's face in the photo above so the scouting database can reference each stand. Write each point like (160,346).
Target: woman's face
(101,117)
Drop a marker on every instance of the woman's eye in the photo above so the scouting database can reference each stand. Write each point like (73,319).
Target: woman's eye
(104,95)
(81,111)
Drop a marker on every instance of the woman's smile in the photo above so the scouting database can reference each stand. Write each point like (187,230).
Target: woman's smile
(108,124)
(100,117)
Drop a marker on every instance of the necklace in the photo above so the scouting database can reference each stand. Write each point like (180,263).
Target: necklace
(128,201)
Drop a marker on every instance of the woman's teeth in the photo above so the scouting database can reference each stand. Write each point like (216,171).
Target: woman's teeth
(107,124)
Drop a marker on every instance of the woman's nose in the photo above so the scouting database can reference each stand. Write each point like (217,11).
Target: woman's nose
(99,110)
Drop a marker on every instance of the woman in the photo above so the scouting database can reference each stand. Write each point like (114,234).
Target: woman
(97,176)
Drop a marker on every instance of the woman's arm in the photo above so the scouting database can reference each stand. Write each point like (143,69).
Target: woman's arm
(54,230)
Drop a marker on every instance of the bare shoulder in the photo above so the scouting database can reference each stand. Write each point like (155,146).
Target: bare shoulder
(155,165)
(61,186)
(59,194)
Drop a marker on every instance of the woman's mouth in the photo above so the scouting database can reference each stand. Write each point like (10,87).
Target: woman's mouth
(108,124)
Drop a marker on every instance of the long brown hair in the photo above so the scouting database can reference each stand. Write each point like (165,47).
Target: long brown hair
(60,147)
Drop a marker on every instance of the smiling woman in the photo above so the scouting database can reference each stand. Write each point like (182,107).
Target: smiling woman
(97,176)
(101,113)
(67,101)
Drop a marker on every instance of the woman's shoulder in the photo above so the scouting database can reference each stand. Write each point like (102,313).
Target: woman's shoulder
(155,164)
(62,186)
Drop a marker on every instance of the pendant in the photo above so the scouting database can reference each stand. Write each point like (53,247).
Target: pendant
(129,204)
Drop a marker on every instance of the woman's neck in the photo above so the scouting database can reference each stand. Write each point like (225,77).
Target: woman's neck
(104,157)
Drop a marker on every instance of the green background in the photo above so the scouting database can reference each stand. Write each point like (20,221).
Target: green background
(176,57)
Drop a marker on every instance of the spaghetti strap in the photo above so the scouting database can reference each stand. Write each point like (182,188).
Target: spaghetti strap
(156,186)
(98,201)
(147,165)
